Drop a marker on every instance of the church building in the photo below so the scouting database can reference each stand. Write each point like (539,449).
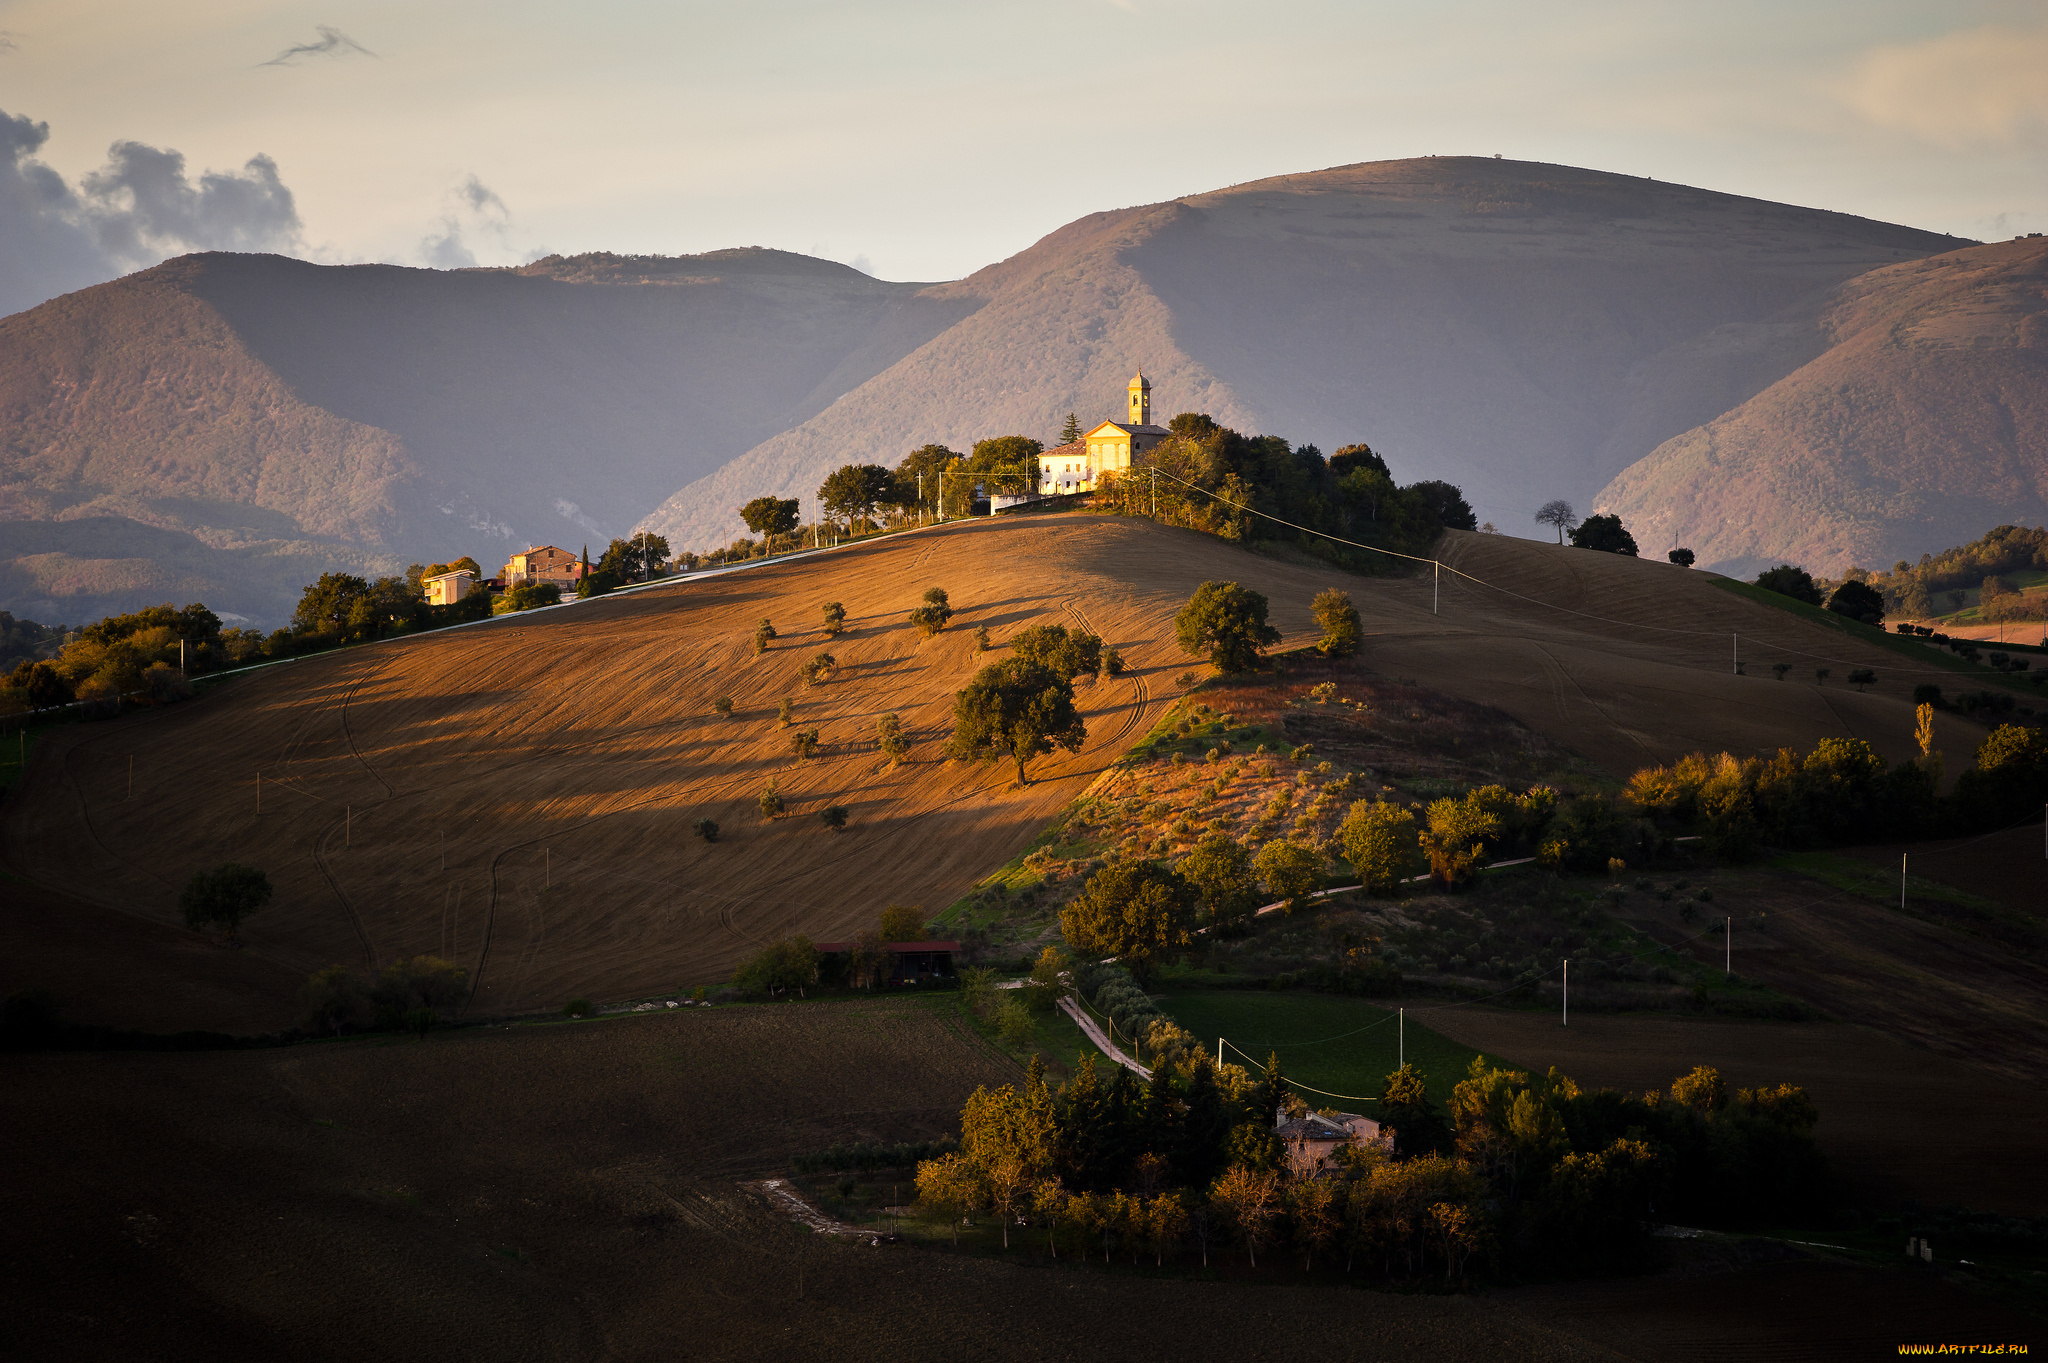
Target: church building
(1109,448)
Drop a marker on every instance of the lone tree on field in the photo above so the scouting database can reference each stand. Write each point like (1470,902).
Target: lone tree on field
(771,802)
(764,634)
(706,829)
(1228,622)
(1019,707)
(803,743)
(819,669)
(932,616)
(1605,533)
(224,896)
(785,712)
(723,705)
(1136,911)
(1075,653)
(1559,513)
(889,736)
(1781,669)
(834,817)
(1684,558)
(1338,619)
(835,619)
(1861,677)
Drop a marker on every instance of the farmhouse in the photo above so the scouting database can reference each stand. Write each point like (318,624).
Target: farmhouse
(544,563)
(1313,1139)
(445,589)
(1107,449)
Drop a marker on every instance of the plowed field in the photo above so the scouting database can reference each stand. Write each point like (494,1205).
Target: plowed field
(518,796)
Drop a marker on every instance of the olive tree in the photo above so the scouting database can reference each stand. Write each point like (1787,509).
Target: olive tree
(1228,622)
(1019,707)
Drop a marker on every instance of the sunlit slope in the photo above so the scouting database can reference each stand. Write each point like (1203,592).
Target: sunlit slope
(558,760)
(1924,424)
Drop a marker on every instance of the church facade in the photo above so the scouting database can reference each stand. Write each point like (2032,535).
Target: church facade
(1109,448)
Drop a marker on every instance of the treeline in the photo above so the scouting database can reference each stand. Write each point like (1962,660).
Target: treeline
(1921,589)
(1210,478)
(1841,792)
(1522,1175)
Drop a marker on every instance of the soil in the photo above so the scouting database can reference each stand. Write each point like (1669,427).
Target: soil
(562,757)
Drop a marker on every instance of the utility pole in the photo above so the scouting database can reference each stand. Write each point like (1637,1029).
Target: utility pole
(348,826)
(1436,585)
(1155,493)
(1567,991)
(444,849)
(547,868)
(1736,656)
(1728,944)
(131,776)
(1401,1031)
(259,790)
(1219,1052)
(1902,880)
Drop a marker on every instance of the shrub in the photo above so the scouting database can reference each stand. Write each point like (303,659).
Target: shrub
(771,803)
(835,619)
(803,743)
(706,829)
(1338,619)
(889,736)
(579,1008)
(786,711)
(819,669)
(1015,1024)
(224,896)
(764,634)
(933,616)
(834,816)
(723,705)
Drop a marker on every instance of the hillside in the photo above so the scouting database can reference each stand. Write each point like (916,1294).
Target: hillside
(227,427)
(557,760)
(1524,330)
(1923,424)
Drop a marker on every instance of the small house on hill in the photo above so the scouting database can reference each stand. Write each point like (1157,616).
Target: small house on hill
(1313,1139)
(909,962)
(445,589)
(544,563)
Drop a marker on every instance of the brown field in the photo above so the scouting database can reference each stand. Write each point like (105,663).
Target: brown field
(562,757)
(571,1191)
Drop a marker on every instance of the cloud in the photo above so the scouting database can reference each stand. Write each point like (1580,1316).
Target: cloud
(138,209)
(477,209)
(1969,88)
(333,43)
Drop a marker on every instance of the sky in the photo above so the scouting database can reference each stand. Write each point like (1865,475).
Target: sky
(923,141)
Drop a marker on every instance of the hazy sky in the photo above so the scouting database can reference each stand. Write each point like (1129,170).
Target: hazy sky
(922,141)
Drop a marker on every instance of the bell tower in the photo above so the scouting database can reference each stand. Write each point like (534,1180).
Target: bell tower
(1141,400)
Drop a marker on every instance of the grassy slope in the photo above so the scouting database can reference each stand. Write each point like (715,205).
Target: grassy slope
(1922,654)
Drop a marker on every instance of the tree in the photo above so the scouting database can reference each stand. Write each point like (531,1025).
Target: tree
(1456,838)
(1220,870)
(1247,1199)
(1787,580)
(1559,513)
(1605,533)
(1419,1128)
(951,1187)
(1338,619)
(771,515)
(224,896)
(1684,558)
(932,617)
(834,817)
(1019,707)
(1860,677)
(922,474)
(1349,457)
(764,634)
(803,743)
(1312,1209)
(791,963)
(1006,463)
(334,999)
(1289,871)
(771,802)
(1071,654)
(855,490)
(326,606)
(819,669)
(1446,502)
(1380,843)
(706,829)
(1071,432)
(1228,622)
(902,923)
(889,735)
(835,620)
(636,559)
(1136,911)
(723,705)
(1858,601)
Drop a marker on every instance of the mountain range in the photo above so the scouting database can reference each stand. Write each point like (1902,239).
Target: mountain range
(1755,379)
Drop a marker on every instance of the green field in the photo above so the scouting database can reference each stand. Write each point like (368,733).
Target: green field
(1343,1060)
